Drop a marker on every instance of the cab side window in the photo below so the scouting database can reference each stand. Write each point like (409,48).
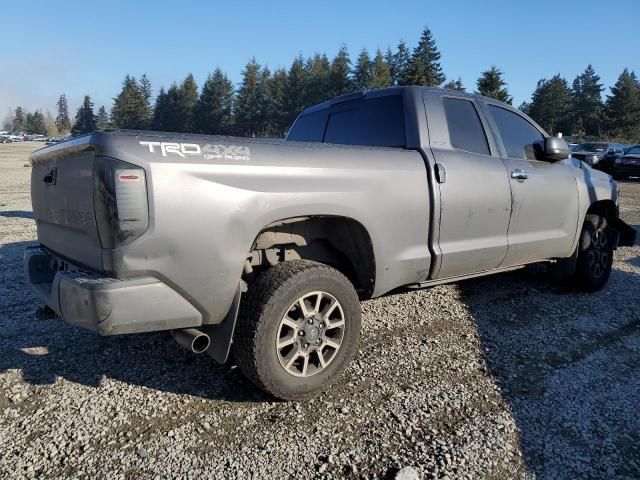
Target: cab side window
(465,128)
(309,127)
(374,122)
(518,135)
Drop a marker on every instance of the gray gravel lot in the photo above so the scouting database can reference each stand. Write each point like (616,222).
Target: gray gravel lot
(502,377)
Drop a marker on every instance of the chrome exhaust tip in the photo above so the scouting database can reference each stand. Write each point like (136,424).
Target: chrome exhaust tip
(193,340)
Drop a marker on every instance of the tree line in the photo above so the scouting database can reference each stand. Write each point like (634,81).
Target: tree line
(266,102)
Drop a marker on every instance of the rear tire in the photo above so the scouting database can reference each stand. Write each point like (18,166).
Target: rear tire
(297,329)
(595,255)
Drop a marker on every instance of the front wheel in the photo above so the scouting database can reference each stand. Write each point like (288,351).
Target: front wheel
(595,255)
(297,330)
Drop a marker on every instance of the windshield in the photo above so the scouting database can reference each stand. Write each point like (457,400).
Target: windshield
(590,147)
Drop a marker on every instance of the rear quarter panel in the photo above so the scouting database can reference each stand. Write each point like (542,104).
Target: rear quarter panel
(206,212)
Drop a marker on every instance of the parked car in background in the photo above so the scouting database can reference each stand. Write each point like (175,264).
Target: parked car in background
(54,140)
(599,155)
(34,138)
(628,165)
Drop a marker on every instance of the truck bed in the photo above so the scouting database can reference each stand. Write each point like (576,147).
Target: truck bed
(209,196)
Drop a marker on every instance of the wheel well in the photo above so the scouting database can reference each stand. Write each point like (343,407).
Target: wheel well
(340,242)
(606,208)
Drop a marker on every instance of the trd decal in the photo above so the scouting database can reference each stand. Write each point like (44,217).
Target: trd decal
(209,152)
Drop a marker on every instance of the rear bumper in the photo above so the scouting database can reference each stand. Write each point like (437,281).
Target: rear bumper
(107,305)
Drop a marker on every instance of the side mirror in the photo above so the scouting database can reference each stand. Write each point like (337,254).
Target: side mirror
(554,149)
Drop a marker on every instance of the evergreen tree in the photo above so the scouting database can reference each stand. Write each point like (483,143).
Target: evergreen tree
(587,102)
(38,125)
(399,69)
(130,107)
(622,109)
(455,85)
(145,89)
(170,119)
(380,74)
(85,118)
(389,62)
(294,101)
(28,122)
(550,105)
(187,100)
(250,102)
(491,84)
(524,107)
(264,82)
(102,119)
(276,95)
(339,79)
(160,111)
(361,75)
(215,104)
(425,66)
(19,120)
(62,120)
(318,82)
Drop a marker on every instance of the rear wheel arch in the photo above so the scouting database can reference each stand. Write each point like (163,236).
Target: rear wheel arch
(337,241)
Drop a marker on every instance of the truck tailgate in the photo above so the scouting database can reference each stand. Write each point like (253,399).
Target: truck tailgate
(62,196)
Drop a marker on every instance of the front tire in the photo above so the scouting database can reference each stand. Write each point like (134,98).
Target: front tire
(297,329)
(595,255)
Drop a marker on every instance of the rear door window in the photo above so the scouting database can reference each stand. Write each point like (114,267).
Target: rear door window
(465,127)
(518,134)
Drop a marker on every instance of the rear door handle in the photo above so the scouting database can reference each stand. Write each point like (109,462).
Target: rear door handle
(519,174)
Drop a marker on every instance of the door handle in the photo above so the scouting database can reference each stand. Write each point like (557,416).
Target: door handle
(519,174)
(50,177)
(441,173)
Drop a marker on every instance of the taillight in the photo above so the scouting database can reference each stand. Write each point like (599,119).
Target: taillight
(120,197)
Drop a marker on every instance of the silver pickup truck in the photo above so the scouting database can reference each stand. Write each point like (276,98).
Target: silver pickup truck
(264,247)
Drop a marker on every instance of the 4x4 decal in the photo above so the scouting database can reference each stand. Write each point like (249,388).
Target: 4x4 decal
(209,151)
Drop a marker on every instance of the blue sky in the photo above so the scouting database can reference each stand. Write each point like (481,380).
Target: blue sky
(81,47)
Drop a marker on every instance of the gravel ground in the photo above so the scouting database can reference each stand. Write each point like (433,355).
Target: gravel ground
(502,377)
